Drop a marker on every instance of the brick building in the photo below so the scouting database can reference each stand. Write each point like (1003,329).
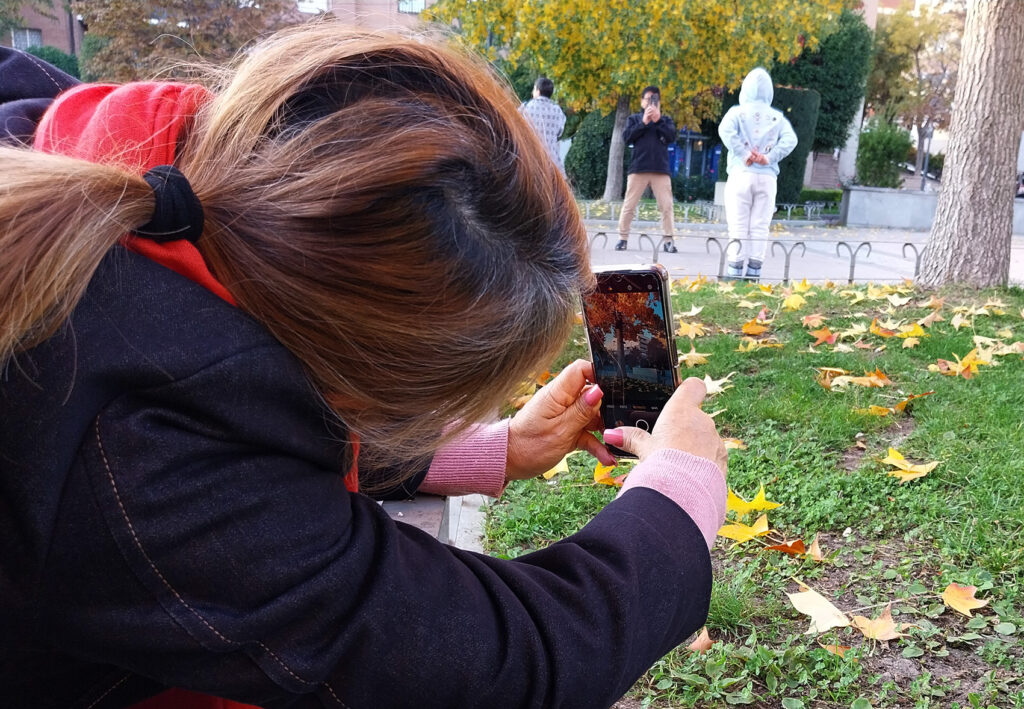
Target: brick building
(61,30)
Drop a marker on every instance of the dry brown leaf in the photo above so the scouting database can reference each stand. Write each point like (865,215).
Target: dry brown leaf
(880,628)
(703,643)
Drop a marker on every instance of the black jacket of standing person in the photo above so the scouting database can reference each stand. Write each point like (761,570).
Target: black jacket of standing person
(650,143)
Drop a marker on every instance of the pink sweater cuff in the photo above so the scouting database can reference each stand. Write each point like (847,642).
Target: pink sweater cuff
(474,463)
(695,484)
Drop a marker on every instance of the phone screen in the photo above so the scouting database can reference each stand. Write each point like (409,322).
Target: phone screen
(628,328)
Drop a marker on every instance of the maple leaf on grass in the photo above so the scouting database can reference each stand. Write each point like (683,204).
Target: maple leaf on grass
(740,532)
(742,508)
(749,344)
(931,319)
(875,410)
(839,650)
(897,301)
(693,357)
(794,302)
(882,627)
(934,303)
(802,287)
(911,342)
(905,470)
(793,548)
(734,444)
(914,331)
(959,321)
(824,615)
(603,475)
(749,304)
(827,374)
(702,643)
(815,320)
(693,312)
(561,466)
(754,328)
(824,335)
(814,551)
(691,330)
(877,329)
(961,598)
(717,386)
(901,406)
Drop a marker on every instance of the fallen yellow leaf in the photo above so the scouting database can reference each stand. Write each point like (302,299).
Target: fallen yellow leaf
(717,386)
(744,533)
(742,508)
(693,357)
(961,598)
(690,330)
(816,320)
(734,444)
(911,342)
(753,328)
(561,466)
(703,643)
(794,302)
(802,287)
(906,470)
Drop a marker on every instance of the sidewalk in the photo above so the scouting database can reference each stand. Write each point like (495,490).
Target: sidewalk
(812,249)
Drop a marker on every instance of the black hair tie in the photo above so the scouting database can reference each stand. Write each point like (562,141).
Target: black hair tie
(177,213)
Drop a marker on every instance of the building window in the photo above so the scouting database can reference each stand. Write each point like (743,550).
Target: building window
(413,7)
(23,38)
(313,7)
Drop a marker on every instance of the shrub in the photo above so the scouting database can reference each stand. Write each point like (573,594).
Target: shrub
(690,189)
(68,63)
(883,150)
(820,196)
(586,164)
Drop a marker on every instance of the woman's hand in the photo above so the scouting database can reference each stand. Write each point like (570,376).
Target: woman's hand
(556,421)
(681,425)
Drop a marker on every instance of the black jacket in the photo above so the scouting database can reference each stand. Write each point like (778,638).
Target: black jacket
(650,143)
(173,515)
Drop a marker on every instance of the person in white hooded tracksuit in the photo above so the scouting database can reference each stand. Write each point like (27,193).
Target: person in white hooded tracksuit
(758,137)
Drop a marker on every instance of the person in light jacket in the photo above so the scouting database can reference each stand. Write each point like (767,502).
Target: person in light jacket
(758,138)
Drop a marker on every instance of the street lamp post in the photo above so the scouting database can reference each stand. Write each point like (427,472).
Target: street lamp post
(926,133)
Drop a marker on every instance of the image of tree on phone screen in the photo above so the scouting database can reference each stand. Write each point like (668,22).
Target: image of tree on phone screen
(631,356)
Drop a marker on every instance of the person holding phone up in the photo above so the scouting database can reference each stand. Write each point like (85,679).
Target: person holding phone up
(230,311)
(650,133)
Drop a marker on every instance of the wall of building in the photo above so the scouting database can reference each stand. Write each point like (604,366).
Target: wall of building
(56,31)
(371,14)
(900,209)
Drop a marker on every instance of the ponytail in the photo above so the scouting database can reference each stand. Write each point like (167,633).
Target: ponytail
(59,217)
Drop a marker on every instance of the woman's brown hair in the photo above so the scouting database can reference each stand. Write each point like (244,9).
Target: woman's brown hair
(376,201)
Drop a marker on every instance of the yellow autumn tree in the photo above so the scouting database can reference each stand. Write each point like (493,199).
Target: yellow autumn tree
(601,54)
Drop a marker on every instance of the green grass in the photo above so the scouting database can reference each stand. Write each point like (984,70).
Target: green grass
(883,541)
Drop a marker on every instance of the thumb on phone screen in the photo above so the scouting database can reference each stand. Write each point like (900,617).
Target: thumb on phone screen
(681,425)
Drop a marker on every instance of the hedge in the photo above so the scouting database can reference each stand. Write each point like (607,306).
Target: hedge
(586,164)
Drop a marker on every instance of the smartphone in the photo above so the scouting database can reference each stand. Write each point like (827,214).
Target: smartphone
(628,318)
(655,100)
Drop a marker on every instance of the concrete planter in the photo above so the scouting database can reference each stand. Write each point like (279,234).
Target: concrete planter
(899,209)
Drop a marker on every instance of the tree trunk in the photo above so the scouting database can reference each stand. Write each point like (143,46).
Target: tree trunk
(919,161)
(970,237)
(613,184)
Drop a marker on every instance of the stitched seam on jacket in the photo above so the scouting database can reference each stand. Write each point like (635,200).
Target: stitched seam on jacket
(163,579)
(336,698)
(109,690)
(42,67)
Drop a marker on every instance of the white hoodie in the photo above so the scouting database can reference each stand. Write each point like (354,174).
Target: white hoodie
(755,125)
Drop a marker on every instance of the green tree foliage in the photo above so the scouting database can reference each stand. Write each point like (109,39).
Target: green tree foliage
(916,59)
(800,107)
(10,11)
(68,63)
(880,156)
(601,54)
(837,70)
(144,37)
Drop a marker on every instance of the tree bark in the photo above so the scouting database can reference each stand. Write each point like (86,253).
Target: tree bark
(613,184)
(970,237)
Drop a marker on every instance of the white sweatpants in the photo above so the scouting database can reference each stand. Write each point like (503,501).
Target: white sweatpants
(749,205)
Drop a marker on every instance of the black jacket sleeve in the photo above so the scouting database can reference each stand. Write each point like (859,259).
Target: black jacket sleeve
(635,127)
(28,86)
(203,543)
(666,128)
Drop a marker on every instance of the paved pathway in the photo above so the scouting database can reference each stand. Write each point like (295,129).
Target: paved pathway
(812,247)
